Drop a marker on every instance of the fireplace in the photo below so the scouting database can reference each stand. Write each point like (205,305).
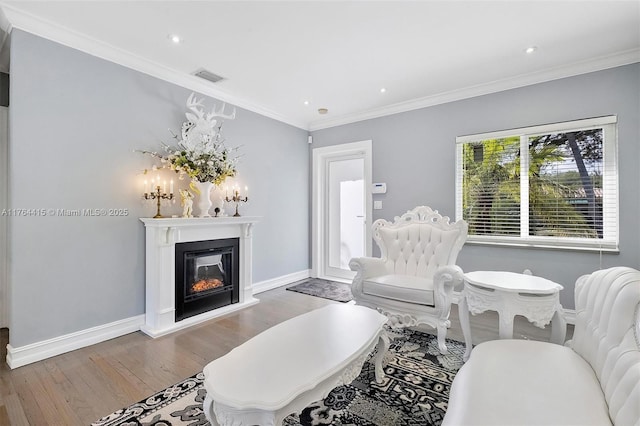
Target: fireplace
(164,238)
(207,276)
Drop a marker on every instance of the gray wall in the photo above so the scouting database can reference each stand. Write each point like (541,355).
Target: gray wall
(74,123)
(414,153)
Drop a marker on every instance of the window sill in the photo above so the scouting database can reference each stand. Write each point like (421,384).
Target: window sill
(545,246)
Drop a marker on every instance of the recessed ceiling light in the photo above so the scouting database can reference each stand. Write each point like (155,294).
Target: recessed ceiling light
(306,102)
(530,49)
(175,38)
(383,90)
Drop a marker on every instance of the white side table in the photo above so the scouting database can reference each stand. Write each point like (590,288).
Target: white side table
(511,294)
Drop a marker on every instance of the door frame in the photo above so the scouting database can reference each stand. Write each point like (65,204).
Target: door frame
(321,157)
(4,244)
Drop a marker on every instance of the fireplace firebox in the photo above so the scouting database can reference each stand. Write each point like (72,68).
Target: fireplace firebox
(207,276)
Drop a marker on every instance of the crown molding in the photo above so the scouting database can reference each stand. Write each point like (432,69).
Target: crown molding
(15,18)
(577,68)
(52,31)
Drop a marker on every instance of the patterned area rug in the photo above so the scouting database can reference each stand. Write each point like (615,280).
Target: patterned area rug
(414,393)
(326,289)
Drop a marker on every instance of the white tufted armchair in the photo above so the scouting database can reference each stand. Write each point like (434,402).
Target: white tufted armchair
(412,283)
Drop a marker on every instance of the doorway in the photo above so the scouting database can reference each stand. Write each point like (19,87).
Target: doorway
(341,208)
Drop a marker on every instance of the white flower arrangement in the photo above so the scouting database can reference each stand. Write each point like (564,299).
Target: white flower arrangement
(201,153)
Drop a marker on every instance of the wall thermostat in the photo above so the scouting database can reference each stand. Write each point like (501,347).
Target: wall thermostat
(379,188)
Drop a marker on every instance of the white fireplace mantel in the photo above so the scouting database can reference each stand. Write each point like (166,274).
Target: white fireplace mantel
(161,238)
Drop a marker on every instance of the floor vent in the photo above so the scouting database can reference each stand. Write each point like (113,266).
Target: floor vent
(208,75)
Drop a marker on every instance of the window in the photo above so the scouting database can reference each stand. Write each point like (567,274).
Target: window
(554,185)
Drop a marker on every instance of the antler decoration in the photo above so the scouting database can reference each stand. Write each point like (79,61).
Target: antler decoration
(200,129)
(221,114)
(193,104)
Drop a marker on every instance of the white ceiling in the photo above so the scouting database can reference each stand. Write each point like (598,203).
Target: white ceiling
(338,55)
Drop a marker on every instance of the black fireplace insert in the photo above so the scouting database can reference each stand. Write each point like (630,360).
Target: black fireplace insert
(207,276)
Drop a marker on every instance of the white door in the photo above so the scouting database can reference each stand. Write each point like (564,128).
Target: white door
(342,208)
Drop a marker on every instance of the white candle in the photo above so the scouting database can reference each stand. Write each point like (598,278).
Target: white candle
(246,191)
(146,186)
(171,186)
(164,187)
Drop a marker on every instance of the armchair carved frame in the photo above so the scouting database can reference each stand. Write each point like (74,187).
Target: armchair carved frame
(412,282)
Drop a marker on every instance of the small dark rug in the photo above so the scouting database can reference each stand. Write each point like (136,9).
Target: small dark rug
(326,289)
(415,392)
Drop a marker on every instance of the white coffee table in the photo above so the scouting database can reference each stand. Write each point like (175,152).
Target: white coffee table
(285,368)
(511,294)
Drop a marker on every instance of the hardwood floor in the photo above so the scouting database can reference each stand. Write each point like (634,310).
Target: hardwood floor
(79,387)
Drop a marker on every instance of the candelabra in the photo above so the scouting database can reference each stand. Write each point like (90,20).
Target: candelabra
(236,199)
(158,195)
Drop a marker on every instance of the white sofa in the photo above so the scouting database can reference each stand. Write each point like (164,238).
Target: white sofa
(593,380)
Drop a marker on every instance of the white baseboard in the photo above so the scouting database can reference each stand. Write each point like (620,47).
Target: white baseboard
(23,355)
(272,283)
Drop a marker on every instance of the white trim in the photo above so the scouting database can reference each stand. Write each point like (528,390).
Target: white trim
(76,40)
(23,355)
(565,126)
(525,164)
(272,283)
(596,64)
(575,244)
(4,197)
(320,156)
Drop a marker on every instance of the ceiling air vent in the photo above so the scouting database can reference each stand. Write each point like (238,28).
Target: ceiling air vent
(208,75)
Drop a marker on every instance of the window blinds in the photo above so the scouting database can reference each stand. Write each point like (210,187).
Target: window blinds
(553,186)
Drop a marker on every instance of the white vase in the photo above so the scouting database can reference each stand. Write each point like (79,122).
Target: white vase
(203,200)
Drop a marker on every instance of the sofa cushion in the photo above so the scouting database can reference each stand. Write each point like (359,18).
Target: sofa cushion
(404,288)
(523,382)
